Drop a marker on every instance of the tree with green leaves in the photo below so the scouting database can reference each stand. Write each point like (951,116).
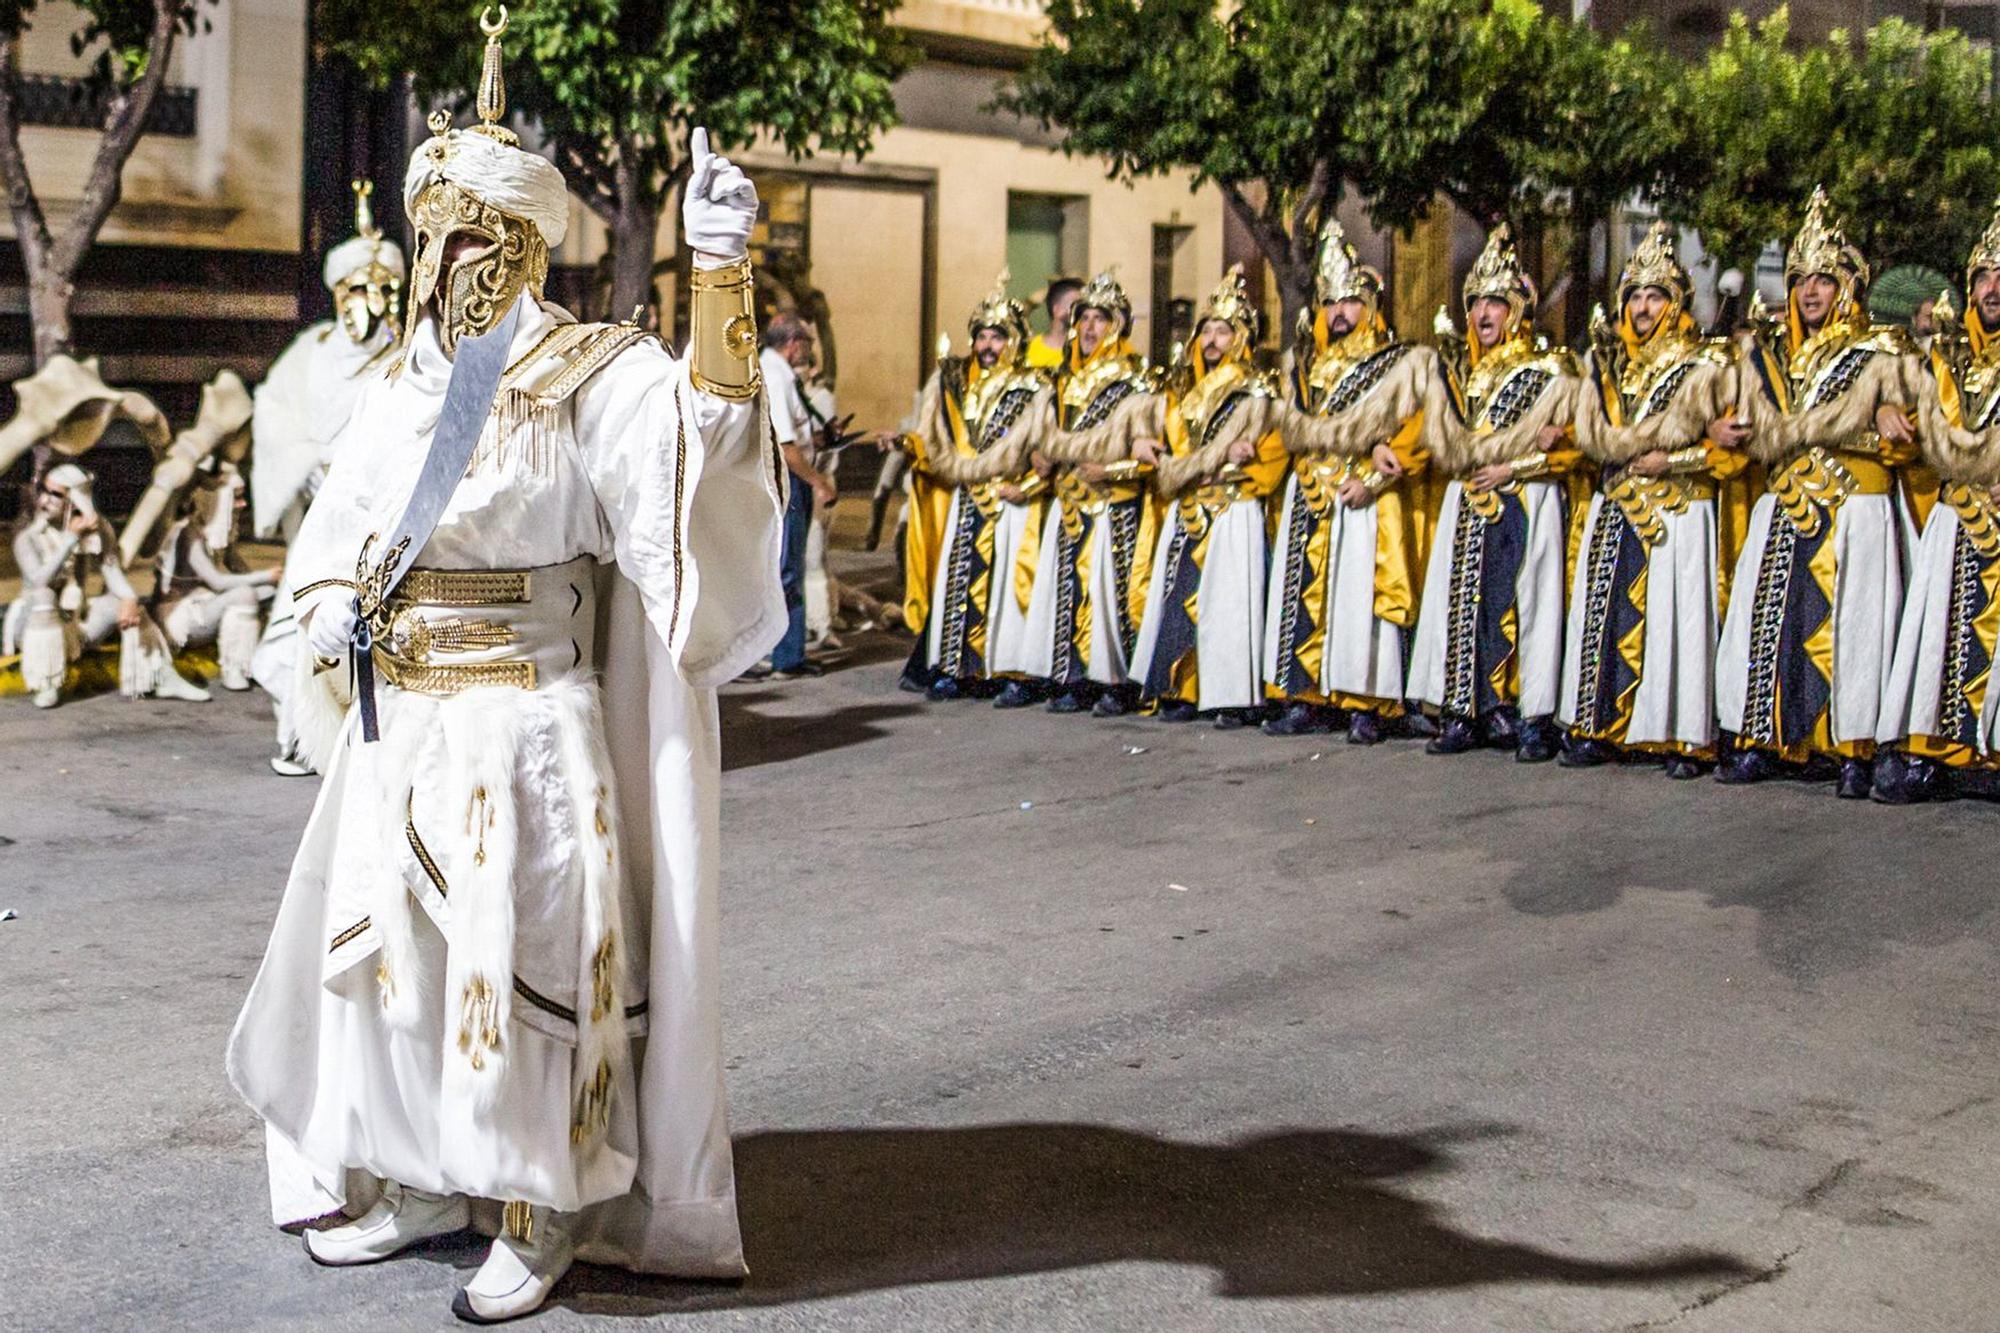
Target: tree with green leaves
(1599,119)
(1285,104)
(614,86)
(128,43)
(1898,125)
(1281,104)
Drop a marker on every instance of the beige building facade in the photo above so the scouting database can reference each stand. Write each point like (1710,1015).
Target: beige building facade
(901,244)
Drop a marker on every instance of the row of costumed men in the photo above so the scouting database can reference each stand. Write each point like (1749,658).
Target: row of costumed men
(1776,554)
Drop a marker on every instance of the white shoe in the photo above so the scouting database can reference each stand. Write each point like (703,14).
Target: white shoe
(48,698)
(518,1274)
(235,680)
(400,1219)
(175,686)
(290,766)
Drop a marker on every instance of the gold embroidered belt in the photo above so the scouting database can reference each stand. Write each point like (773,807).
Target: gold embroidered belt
(460,629)
(1646,501)
(1817,482)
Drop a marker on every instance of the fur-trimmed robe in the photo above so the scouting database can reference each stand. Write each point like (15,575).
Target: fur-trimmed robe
(509,837)
(1809,638)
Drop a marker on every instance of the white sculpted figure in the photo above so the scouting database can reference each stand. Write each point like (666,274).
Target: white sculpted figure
(491,988)
(75,595)
(302,407)
(204,594)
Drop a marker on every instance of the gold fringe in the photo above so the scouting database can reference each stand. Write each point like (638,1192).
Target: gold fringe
(517,1219)
(602,998)
(479,816)
(478,1020)
(593,1105)
(523,424)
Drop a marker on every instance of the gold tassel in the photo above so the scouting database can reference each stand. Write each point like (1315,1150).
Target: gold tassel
(603,824)
(593,1105)
(601,963)
(385,985)
(517,1219)
(520,421)
(478,1021)
(478,823)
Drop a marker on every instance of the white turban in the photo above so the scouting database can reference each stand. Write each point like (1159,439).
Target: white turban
(512,180)
(356,253)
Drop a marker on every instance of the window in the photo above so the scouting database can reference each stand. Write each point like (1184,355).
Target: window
(1048,235)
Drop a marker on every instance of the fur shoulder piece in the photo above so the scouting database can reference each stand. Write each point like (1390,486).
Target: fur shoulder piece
(1837,410)
(1008,456)
(1368,404)
(1534,395)
(1138,415)
(1672,413)
(1251,418)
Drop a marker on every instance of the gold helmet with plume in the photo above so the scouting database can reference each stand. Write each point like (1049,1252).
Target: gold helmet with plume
(1986,254)
(480,182)
(1653,263)
(1103,293)
(1339,274)
(1001,311)
(1498,274)
(1230,302)
(1822,247)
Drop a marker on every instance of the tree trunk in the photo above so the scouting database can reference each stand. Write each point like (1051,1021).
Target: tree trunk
(1288,250)
(49,295)
(635,230)
(52,263)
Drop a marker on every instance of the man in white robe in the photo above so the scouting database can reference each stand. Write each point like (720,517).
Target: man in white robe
(301,408)
(492,982)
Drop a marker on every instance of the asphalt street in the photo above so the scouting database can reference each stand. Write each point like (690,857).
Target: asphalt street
(1043,1023)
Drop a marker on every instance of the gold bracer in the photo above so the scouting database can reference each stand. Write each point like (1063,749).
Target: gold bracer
(722,332)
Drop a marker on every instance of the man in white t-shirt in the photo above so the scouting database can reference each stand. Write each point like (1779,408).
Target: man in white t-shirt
(788,346)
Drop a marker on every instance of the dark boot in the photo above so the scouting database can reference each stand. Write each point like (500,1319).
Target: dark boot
(1419,724)
(1681,767)
(1582,752)
(1503,728)
(1017,694)
(1902,779)
(1742,767)
(1857,777)
(1455,735)
(1538,741)
(914,683)
(1070,700)
(1114,702)
(1176,710)
(1298,719)
(943,689)
(1232,719)
(1364,728)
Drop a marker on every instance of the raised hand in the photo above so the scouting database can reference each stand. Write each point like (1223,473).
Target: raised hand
(718,206)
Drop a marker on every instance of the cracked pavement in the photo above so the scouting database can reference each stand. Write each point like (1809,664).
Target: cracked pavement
(1027,1032)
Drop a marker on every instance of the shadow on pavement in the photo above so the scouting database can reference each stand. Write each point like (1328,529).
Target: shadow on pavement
(751,737)
(1288,1214)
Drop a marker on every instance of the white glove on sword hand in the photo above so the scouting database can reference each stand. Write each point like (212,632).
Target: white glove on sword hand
(718,206)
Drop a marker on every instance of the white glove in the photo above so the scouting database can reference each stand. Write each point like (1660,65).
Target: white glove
(718,206)
(331,625)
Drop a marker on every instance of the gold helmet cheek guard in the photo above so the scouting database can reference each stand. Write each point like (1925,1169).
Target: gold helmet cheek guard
(484,283)
(364,305)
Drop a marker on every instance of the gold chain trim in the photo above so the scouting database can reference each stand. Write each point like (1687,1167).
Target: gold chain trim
(318,585)
(348,934)
(423,853)
(464,587)
(425,678)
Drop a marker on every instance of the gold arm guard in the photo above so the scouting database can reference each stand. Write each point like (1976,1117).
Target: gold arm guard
(722,332)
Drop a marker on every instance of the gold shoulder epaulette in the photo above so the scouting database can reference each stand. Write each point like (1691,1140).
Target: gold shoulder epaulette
(1891,338)
(567,356)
